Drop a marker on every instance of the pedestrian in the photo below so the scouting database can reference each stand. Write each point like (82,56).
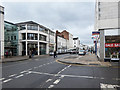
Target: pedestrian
(30,53)
(10,53)
(55,54)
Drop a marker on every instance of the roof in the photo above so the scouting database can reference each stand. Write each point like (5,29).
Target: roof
(27,22)
(9,22)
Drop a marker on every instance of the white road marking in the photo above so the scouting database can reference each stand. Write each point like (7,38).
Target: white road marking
(57,81)
(61,77)
(28,72)
(51,86)
(48,80)
(12,75)
(63,69)
(102,85)
(23,71)
(42,73)
(19,76)
(2,79)
(7,80)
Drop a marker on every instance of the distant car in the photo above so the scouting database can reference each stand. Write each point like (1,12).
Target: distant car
(74,51)
(51,53)
(82,52)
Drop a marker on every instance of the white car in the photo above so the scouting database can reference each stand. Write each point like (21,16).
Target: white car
(82,52)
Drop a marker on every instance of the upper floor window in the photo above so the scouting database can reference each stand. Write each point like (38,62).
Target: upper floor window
(32,27)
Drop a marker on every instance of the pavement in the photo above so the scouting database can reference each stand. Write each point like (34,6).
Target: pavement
(89,59)
(19,58)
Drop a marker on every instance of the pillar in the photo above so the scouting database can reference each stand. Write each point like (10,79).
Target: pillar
(102,45)
(1,32)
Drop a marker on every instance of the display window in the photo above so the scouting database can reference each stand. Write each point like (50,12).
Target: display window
(112,46)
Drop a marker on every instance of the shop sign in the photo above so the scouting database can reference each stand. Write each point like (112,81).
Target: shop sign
(95,33)
(112,45)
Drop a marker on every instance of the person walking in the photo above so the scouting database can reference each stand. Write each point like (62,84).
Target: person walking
(30,53)
(10,53)
(55,54)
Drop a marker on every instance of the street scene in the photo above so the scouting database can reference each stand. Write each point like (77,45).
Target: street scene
(56,44)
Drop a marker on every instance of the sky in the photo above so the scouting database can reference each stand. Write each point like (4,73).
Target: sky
(75,17)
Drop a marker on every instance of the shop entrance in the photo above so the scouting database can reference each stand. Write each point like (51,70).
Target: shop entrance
(112,47)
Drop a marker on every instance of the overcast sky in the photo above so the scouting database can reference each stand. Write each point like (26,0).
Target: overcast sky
(75,17)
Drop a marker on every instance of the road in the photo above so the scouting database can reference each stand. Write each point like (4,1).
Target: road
(45,72)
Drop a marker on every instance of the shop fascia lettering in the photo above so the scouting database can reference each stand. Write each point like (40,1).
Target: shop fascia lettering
(112,45)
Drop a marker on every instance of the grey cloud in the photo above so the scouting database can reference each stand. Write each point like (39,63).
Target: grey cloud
(74,17)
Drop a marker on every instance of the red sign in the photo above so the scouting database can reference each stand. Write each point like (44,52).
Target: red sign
(112,45)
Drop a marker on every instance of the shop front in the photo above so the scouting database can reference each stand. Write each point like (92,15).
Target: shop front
(112,47)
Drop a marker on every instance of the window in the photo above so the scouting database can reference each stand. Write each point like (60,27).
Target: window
(42,37)
(14,37)
(32,27)
(11,37)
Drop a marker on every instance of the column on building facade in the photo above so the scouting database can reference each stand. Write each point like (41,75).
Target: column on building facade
(26,41)
(48,44)
(1,32)
(38,42)
(102,45)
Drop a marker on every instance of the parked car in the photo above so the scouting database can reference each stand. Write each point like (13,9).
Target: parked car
(74,51)
(82,52)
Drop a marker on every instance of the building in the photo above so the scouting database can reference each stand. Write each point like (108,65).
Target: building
(51,41)
(107,23)
(76,43)
(1,32)
(67,39)
(33,36)
(10,38)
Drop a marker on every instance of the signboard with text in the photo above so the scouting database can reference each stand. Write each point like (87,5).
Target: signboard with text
(112,45)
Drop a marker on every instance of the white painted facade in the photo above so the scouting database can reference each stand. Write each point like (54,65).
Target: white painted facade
(70,42)
(62,44)
(76,43)
(1,32)
(50,39)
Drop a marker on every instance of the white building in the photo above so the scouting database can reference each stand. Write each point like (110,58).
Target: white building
(62,44)
(107,22)
(70,41)
(33,36)
(1,32)
(76,43)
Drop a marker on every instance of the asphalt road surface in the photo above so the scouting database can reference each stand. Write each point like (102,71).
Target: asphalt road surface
(45,72)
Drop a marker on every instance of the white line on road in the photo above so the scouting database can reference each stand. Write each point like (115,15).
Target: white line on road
(12,75)
(28,73)
(57,81)
(7,80)
(23,71)
(19,76)
(51,86)
(102,85)
(2,79)
(48,80)
(63,69)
